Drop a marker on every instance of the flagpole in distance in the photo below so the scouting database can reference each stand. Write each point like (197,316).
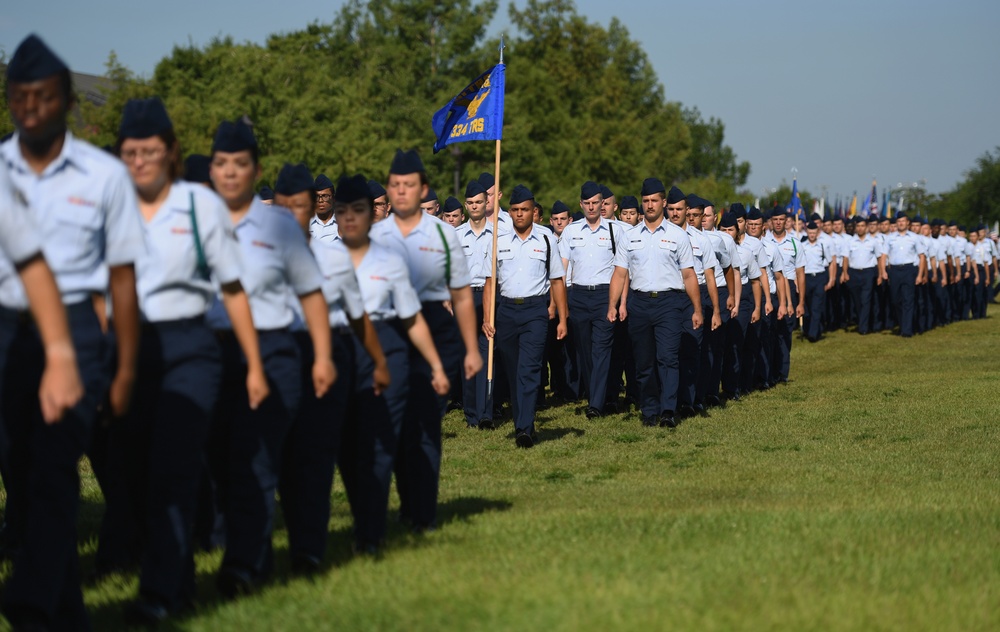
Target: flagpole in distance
(493,265)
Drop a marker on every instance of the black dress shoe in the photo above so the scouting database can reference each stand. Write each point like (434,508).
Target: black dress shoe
(486,424)
(699,409)
(233,583)
(685,410)
(667,420)
(524,439)
(714,400)
(650,421)
(145,612)
(733,397)
(593,413)
(305,565)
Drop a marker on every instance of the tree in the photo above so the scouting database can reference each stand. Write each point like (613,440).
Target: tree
(977,198)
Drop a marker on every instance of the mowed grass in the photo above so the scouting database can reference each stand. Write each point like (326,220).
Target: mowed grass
(864,495)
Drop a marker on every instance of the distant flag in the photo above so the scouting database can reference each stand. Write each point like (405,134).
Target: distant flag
(816,208)
(888,207)
(475,114)
(885,203)
(795,206)
(996,230)
(822,205)
(853,209)
(872,206)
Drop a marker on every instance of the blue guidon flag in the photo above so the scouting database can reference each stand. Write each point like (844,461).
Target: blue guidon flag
(475,114)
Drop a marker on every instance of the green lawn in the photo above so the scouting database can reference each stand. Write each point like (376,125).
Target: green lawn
(864,495)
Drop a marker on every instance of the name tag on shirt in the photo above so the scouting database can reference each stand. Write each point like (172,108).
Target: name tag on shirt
(666,244)
(636,244)
(537,253)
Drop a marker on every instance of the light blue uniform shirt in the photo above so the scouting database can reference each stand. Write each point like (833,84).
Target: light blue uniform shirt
(324,232)
(791,253)
(725,253)
(746,262)
(842,241)
(590,252)
(477,249)
(86,210)
(430,248)
(703,252)
(167,280)
(521,269)
(864,253)
(960,249)
(19,237)
(904,249)
(385,285)
(817,256)
(276,261)
(979,253)
(655,258)
(340,284)
(756,246)
(772,255)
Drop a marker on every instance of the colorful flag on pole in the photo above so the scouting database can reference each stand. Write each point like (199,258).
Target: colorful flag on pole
(872,206)
(475,114)
(795,206)
(885,203)
(853,209)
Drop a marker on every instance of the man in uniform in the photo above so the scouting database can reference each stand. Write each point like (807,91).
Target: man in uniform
(429,204)
(820,266)
(323,226)
(381,200)
(561,356)
(863,269)
(795,277)
(727,282)
(451,212)
(609,204)
(591,246)
(528,266)
(907,266)
(659,262)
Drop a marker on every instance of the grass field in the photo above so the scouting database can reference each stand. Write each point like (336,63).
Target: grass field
(863,495)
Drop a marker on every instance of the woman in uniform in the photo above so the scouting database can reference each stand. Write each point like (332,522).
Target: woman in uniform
(749,308)
(247,442)
(189,249)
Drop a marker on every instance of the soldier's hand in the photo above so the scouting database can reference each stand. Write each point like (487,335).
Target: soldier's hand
(768,308)
(488,330)
(734,311)
(782,312)
(120,394)
(716,321)
(612,314)
(697,320)
(439,381)
(473,363)
(731,303)
(257,388)
(800,311)
(561,330)
(324,375)
(60,388)
(755,316)
(622,312)
(381,378)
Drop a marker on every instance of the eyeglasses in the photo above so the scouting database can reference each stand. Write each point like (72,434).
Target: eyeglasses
(324,197)
(381,205)
(147,155)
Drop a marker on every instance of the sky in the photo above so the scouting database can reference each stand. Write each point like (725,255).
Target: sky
(905,91)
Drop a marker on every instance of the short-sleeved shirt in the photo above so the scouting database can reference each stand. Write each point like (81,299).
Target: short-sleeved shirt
(521,269)
(703,253)
(477,249)
(168,282)
(19,236)
(746,263)
(725,253)
(592,251)
(655,258)
(340,284)
(904,249)
(327,232)
(772,254)
(385,285)
(277,262)
(432,253)
(86,209)
(791,253)
(863,254)
(817,256)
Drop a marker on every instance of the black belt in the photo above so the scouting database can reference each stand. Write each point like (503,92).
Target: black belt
(591,288)
(902,265)
(342,330)
(524,300)
(655,293)
(478,288)
(815,274)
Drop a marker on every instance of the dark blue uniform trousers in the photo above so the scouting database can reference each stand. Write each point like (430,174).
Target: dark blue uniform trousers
(246,447)
(372,427)
(783,340)
(861,284)
(815,301)
(418,464)
(765,354)
(655,326)
(713,349)
(689,358)
(477,406)
(735,338)
(520,337)
(594,336)
(901,281)
(311,449)
(42,484)
(157,451)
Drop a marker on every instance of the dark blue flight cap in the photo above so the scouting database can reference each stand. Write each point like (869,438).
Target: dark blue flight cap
(520,194)
(629,201)
(728,220)
(812,225)
(487,180)
(266,193)
(196,168)
(754,213)
(473,189)
(322,182)
(375,189)
(558,207)
(815,217)
(406,162)
(858,219)
(675,195)
(651,186)
(738,211)
(766,214)
(952,223)
(452,204)
(431,196)
(578,216)
(33,61)
(588,190)
(901,215)
(353,188)
(693,201)
(294,179)
(144,118)
(961,227)
(873,217)
(918,220)
(232,137)
(606,192)
(981,227)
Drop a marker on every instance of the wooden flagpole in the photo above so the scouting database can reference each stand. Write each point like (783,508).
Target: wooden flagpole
(493,265)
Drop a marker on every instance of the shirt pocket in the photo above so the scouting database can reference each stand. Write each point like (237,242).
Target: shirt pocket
(636,244)
(538,254)
(666,244)
(78,226)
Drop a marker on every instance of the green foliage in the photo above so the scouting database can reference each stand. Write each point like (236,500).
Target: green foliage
(977,198)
